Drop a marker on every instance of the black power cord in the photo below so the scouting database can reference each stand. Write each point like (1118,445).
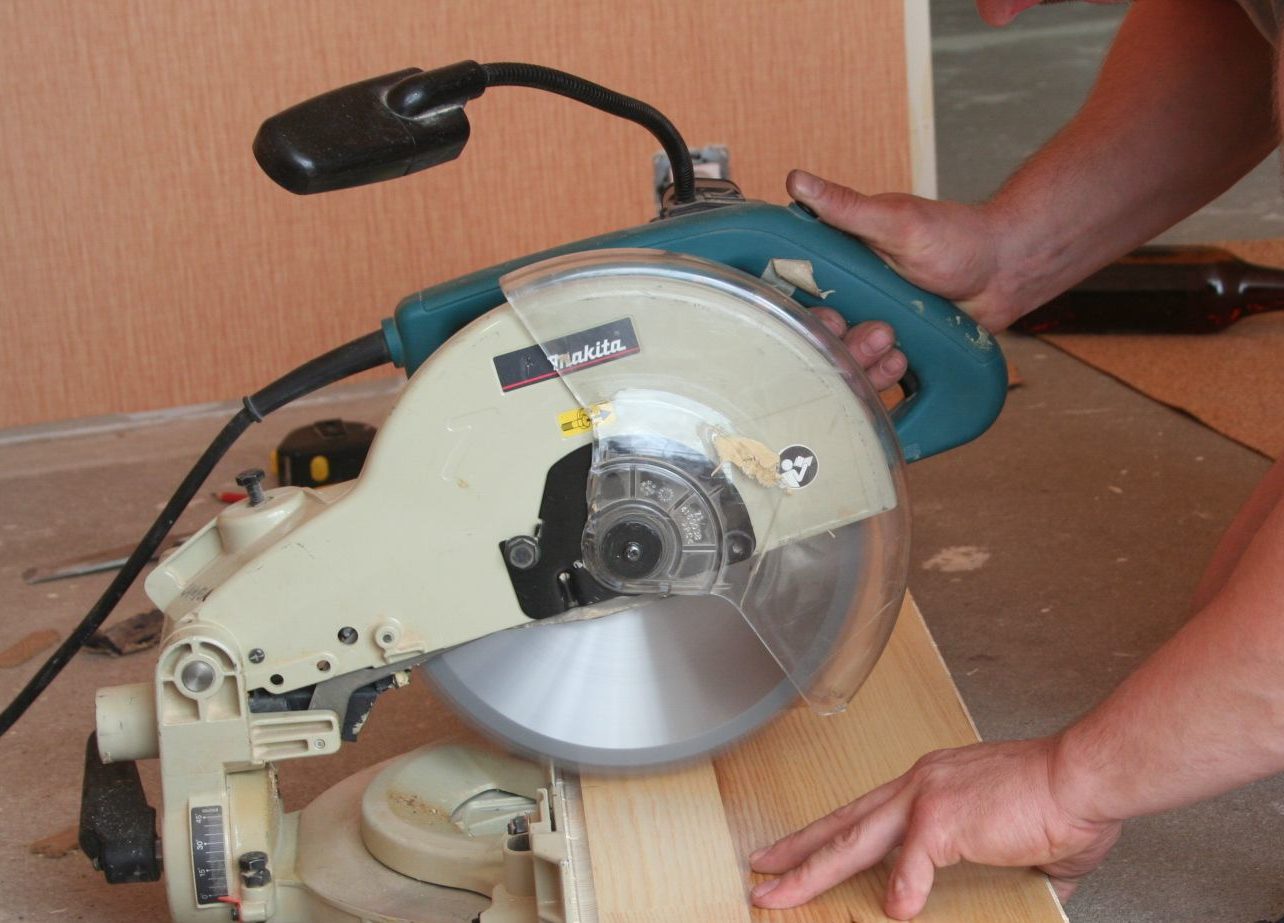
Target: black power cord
(513,74)
(363,353)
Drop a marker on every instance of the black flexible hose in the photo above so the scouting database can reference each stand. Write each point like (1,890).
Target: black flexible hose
(363,353)
(515,74)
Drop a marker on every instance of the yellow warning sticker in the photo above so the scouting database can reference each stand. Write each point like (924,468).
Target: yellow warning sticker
(582,419)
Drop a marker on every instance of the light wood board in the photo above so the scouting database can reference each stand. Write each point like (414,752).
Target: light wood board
(672,847)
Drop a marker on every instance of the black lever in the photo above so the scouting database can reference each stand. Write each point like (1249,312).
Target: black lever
(117,825)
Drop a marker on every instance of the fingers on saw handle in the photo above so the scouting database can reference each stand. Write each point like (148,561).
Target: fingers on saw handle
(865,217)
(872,345)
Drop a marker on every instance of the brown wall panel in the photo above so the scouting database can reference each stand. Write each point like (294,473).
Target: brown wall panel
(146,261)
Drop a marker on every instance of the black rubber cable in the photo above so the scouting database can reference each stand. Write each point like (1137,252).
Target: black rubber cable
(514,74)
(360,354)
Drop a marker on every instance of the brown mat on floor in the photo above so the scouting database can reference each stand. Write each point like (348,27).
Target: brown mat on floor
(1232,381)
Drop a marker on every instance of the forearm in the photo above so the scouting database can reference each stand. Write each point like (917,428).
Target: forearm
(1181,110)
(1203,715)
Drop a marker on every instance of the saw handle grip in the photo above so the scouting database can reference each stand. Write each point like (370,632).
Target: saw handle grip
(957,379)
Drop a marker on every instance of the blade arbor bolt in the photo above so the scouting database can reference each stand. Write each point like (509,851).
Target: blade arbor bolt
(521,552)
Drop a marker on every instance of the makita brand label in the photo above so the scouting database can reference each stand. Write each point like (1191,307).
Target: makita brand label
(566,354)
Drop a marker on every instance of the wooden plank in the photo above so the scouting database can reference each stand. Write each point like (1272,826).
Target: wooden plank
(661,850)
(799,768)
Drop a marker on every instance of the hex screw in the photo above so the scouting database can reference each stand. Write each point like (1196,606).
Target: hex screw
(251,481)
(521,552)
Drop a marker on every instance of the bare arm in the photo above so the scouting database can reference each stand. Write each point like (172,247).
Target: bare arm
(1204,714)
(1181,110)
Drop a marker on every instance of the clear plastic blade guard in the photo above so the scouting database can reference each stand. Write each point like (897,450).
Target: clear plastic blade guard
(739,452)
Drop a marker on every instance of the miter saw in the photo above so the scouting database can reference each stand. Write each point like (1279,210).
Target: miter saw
(633,501)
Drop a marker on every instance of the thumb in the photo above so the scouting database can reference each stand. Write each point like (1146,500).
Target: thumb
(863,216)
(910,882)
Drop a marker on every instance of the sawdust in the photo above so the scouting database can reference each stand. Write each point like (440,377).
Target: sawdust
(411,807)
(957,559)
(27,647)
(750,456)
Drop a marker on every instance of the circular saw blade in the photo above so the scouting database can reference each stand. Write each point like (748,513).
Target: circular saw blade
(666,680)
(708,354)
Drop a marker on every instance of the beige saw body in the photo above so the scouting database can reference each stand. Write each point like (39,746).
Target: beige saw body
(330,590)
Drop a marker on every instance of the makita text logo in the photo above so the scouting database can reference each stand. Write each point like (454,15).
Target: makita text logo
(564,355)
(599,350)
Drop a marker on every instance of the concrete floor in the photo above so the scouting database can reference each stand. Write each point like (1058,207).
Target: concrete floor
(1000,93)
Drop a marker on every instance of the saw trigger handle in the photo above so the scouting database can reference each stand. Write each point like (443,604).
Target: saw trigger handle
(956,381)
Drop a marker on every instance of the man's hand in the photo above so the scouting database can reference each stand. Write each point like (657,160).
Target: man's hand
(994,804)
(943,247)
(946,248)
(870,344)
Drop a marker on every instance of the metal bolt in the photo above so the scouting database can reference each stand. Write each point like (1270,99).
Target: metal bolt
(251,481)
(254,869)
(521,552)
(252,861)
(387,637)
(318,744)
(257,879)
(257,655)
(519,824)
(633,551)
(347,635)
(198,676)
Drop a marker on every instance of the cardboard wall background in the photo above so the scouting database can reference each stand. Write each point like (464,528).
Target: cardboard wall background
(146,262)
